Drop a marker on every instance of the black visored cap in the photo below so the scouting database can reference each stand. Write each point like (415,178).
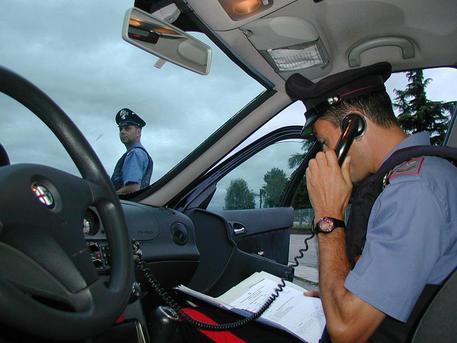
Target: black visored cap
(127,117)
(329,91)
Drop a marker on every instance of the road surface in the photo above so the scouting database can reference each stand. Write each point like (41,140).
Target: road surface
(310,257)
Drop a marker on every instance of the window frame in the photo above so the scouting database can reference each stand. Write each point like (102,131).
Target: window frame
(200,192)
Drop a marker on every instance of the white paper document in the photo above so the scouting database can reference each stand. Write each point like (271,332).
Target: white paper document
(293,312)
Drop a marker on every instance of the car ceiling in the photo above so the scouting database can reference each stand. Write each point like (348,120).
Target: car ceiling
(428,28)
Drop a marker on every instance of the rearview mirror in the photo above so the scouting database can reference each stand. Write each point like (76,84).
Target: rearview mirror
(166,41)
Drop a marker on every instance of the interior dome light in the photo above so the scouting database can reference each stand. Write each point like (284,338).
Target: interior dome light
(245,7)
(298,57)
(241,9)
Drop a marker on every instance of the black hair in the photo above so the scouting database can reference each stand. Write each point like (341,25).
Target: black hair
(376,106)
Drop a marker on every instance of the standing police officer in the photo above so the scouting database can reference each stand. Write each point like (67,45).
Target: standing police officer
(134,169)
(377,274)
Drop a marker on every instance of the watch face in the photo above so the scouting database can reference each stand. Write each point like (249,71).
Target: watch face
(326,224)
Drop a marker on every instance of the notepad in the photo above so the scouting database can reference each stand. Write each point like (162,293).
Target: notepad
(292,311)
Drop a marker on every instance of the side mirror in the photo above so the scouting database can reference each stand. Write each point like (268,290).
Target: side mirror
(166,41)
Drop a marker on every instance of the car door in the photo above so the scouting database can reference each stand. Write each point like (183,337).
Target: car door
(245,196)
(254,210)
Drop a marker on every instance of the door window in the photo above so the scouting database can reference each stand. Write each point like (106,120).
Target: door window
(260,181)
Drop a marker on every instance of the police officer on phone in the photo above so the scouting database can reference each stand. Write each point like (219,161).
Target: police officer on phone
(379,267)
(134,169)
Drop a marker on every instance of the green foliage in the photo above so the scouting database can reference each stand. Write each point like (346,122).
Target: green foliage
(296,159)
(301,197)
(417,113)
(275,182)
(239,196)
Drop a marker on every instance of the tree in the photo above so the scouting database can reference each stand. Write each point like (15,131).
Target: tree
(239,196)
(296,159)
(417,113)
(301,197)
(275,182)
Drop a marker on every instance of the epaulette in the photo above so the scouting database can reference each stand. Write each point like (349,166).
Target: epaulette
(410,167)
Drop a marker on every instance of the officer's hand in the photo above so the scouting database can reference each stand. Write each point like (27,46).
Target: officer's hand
(313,294)
(329,186)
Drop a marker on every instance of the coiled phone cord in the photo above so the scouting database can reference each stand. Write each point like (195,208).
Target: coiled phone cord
(168,299)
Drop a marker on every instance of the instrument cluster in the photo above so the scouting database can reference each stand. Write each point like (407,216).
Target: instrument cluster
(96,241)
(91,224)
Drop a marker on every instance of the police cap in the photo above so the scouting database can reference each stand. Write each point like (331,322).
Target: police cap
(127,117)
(329,91)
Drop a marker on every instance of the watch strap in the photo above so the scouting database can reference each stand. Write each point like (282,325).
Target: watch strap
(330,223)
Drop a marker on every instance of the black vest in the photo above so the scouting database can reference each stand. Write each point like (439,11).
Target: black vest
(118,180)
(363,199)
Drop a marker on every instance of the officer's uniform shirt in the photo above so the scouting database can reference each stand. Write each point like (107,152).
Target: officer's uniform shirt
(412,234)
(135,166)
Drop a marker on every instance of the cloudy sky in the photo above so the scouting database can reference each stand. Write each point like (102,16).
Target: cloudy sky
(73,50)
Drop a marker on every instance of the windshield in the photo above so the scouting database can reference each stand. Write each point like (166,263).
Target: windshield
(74,52)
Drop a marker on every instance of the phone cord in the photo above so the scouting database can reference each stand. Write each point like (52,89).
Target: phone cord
(163,293)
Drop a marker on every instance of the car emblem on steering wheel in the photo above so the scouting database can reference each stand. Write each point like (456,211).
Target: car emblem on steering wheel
(43,195)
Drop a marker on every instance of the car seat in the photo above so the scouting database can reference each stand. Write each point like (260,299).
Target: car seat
(439,321)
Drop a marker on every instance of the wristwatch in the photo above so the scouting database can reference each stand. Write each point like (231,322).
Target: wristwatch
(328,224)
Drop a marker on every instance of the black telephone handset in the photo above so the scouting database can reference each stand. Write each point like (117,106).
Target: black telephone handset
(353,126)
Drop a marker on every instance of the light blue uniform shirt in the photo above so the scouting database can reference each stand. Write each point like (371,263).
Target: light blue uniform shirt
(411,236)
(135,165)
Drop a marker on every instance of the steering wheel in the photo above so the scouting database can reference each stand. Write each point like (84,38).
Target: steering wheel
(48,284)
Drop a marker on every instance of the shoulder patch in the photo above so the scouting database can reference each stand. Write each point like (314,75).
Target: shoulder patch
(410,167)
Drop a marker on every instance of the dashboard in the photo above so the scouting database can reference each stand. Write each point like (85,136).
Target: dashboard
(166,237)
(168,244)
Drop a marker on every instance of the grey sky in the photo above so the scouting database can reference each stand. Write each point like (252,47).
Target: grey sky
(74,52)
